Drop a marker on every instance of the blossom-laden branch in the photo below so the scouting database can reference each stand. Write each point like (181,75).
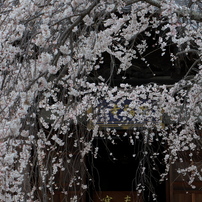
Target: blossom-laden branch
(181,11)
(73,73)
(68,31)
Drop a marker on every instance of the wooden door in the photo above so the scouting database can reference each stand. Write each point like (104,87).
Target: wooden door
(178,188)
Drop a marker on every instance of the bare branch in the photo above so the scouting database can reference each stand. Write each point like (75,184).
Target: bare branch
(188,51)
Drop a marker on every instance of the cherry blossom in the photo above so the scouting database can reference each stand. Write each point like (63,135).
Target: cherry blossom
(68,66)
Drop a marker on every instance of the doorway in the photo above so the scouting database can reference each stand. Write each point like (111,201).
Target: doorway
(115,172)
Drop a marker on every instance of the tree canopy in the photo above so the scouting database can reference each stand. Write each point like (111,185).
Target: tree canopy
(66,64)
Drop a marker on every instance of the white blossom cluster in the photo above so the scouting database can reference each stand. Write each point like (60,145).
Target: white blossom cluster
(53,96)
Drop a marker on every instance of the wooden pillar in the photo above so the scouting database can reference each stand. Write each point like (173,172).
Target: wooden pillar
(193,197)
(171,184)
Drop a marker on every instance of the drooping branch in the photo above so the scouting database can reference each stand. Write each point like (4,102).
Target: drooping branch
(182,12)
(67,32)
(56,98)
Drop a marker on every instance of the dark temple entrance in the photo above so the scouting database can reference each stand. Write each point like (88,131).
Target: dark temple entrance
(115,172)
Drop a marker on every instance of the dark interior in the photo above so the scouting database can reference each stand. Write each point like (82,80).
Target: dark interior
(121,174)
